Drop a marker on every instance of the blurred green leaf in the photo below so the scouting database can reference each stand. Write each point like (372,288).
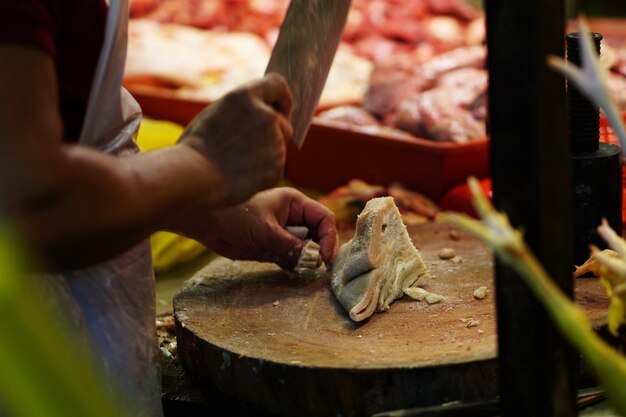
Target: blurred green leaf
(44,372)
(477,3)
(508,243)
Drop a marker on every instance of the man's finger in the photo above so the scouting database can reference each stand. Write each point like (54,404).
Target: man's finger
(285,127)
(284,245)
(321,222)
(274,91)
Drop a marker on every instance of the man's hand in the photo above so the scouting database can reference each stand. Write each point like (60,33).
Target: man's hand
(76,206)
(243,136)
(256,229)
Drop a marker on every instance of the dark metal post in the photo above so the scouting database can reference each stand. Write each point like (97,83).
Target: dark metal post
(530,168)
(596,166)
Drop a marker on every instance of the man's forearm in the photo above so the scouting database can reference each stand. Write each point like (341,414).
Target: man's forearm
(106,204)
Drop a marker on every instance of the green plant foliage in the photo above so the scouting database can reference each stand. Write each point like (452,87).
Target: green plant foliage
(44,372)
(477,3)
(591,80)
(508,243)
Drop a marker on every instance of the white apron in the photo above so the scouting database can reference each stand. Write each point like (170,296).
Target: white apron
(112,305)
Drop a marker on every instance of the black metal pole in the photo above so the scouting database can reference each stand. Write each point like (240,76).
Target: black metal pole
(530,168)
(596,166)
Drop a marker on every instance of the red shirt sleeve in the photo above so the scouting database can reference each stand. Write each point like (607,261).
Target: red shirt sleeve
(30,22)
(71,32)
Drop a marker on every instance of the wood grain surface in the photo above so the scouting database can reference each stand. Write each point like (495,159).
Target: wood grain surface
(281,342)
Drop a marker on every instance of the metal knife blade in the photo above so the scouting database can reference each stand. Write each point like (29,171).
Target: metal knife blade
(304,51)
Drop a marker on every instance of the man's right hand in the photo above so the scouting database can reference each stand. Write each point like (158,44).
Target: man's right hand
(243,136)
(76,206)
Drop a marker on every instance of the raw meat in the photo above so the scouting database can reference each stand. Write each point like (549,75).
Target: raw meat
(350,115)
(390,81)
(457,8)
(378,263)
(309,257)
(617,89)
(189,57)
(468,57)
(435,115)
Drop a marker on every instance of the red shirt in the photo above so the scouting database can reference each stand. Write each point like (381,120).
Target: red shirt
(71,32)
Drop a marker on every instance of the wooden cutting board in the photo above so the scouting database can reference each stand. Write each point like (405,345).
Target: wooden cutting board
(281,342)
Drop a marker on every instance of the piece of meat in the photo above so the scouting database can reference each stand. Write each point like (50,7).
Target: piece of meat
(617,89)
(433,114)
(445,122)
(201,14)
(347,80)
(401,76)
(351,115)
(348,201)
(478,107)
(404,28)
(397,20)
(378,48)
(269,7)
(258,16)
(476,32)
(464,85)
(457,8)
(390,81)
(608,56)
(202,64)
(412,200)
(468,57)
(444,33)
(378,263)
(408,117)
(309,256)
(354,21)
(472,79)
(620,63)
(415,9)
(139,8)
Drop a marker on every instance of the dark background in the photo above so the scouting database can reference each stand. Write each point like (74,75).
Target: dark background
(588,7)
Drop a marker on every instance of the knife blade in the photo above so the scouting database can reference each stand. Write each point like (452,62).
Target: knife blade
(303,53)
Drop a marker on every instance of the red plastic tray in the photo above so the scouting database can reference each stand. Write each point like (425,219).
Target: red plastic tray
(334,153)
(607,135)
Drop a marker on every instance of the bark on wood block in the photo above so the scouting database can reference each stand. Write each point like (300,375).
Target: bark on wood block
(283,344)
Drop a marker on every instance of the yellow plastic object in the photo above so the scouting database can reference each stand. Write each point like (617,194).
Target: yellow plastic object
(45,370)
(168,249)
(155,134)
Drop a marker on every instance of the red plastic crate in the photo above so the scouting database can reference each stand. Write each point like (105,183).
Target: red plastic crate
(606,132)
(607,135)
(333,154)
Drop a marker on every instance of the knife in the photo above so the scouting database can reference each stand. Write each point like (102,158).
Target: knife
(303,53)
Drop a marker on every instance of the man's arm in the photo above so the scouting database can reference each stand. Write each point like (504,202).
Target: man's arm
(77,206)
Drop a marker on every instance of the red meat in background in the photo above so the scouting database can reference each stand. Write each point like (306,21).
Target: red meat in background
(391,81)
(142,7)
(405,21)
(457,8)
(256,16)
(415,45)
